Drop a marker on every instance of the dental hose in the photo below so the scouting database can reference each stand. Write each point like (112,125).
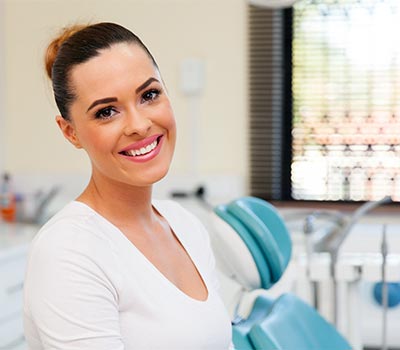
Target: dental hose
(385,301)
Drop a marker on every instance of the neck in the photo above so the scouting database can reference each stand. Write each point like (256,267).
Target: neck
(122,204)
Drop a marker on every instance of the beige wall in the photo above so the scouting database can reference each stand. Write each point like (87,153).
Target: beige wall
(213,30)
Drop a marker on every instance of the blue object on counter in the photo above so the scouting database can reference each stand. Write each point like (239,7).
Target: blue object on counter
(393,293)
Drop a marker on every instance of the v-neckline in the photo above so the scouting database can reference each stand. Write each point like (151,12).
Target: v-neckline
(152,267)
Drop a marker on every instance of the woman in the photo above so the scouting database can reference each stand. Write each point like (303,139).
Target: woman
(115,269)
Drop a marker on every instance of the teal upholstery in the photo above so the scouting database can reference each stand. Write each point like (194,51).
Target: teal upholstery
(268,230)
(248,240)
(287,323)
(241,330)
(294,325)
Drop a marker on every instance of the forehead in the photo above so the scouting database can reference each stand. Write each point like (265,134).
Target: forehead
(119,67)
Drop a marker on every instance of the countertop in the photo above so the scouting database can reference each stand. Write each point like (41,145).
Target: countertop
(14,236)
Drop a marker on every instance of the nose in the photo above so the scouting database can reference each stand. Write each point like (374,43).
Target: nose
(137,123)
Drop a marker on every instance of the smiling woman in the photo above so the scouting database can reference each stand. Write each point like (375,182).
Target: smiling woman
(116,269)
(121,105)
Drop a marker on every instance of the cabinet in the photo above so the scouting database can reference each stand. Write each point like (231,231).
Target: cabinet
(14,244)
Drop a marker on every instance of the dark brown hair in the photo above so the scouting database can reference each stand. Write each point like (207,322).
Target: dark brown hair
(78,44)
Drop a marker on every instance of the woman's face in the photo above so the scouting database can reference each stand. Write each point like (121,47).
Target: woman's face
(122,116)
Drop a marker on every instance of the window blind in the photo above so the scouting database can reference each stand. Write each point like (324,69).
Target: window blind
(346,100)
(267,72)
(325,100)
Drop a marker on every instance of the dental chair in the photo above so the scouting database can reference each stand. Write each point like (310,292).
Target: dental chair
(283,323)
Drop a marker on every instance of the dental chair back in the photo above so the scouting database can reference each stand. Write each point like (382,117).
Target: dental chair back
(286,323)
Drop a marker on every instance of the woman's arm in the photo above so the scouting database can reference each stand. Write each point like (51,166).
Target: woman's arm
(70,297)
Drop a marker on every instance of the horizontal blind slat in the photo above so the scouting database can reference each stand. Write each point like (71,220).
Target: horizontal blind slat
(266,71)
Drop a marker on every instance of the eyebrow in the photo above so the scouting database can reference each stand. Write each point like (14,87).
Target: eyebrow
(102,101)
(146,84)
(114,99)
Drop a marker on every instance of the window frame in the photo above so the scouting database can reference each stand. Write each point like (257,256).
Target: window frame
(285,197)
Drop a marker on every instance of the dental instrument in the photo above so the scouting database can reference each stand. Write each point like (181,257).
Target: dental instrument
(384,252)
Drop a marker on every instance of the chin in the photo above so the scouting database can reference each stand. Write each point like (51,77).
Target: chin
(152,178)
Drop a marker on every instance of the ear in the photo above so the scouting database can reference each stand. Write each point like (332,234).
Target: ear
(68,130)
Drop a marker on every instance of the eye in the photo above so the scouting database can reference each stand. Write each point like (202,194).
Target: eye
(150,95)
(106,113)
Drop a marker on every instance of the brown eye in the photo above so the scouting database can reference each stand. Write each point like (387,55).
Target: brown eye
(106,113)
(150,95)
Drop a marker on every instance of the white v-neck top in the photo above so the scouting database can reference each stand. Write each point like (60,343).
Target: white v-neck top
(88,287)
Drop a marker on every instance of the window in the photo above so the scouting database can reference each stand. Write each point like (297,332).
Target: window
(340,79)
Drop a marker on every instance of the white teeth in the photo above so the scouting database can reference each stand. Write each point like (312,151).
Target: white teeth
(143,150)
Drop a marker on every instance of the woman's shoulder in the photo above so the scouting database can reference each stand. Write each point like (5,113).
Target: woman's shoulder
(75,224)
(183,221)
(75,215)
(166,204)
(175,212)
(170,207)
(69,251)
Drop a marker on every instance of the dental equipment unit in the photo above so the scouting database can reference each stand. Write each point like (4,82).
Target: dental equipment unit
(259,321)
(254,254)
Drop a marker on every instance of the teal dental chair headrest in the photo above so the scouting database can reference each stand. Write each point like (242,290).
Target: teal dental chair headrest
(263,231)
(251,244)
(268,229)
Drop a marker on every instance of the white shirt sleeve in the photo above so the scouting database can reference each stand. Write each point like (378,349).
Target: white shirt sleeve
(70,293)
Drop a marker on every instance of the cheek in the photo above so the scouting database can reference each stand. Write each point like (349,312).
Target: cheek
(93,140)
(169,122)
(171,127)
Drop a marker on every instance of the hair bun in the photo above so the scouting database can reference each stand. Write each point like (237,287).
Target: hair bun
(55,44)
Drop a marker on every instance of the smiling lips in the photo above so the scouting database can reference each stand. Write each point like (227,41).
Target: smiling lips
(143,150)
